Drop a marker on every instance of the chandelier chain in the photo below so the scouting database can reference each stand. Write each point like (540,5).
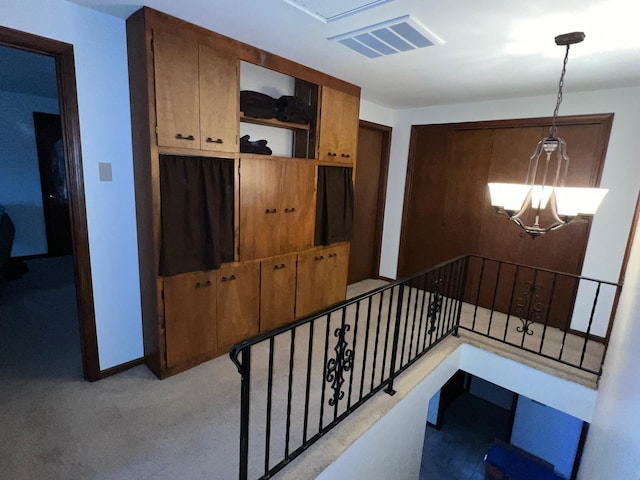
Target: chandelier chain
(554,129)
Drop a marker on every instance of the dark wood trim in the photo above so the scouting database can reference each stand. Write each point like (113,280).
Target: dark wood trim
(408,190)
(67,94)
(512,416)
(580,450)
(587,119)
(121,368)
(386,279)
(383,177)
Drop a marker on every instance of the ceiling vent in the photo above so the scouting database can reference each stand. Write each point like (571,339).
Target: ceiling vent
(386,38)
(330,10)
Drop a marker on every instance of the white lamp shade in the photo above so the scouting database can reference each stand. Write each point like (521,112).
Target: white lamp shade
(578,201)
(540,195)
(509,196)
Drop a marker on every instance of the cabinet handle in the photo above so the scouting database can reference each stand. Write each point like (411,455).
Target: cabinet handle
(271,210)
(289,210)
(332,154)
(331,255)
(211,140)
(225,279)
(179,136)
(198,285)
(279,267)
(207,283)
(345,155)
(318,258)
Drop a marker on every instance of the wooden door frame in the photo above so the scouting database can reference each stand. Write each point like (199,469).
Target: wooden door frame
(68,102)
(386,132)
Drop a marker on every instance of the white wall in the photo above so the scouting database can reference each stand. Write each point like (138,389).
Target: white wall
(392,448)
(372,112)
(613,443)
(621,172)
(103,101)
(547,433)
(20,191)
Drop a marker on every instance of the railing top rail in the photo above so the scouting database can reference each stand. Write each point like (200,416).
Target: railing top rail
(234,353)
(547,270)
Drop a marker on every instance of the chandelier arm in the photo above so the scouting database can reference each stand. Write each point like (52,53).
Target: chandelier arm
(564,159)
(533,164)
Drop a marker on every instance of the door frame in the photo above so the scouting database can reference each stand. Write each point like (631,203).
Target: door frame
(386,132)
(68,103)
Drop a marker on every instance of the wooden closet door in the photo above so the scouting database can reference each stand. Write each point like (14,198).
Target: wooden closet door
(297,206)
(177,92)
(260,208)
(334,275)
(219,100)
(190,316)
(338,126)
(277,291)
(238,303)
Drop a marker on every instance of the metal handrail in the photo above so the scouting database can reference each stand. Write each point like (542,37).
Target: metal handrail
(371,333)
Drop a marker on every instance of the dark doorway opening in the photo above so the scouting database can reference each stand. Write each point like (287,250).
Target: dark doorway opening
(70,136)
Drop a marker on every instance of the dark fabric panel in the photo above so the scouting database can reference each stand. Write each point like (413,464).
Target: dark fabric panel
(334,207)
(196,212)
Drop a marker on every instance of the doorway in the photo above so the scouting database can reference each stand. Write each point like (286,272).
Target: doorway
(62,53)
(374,142)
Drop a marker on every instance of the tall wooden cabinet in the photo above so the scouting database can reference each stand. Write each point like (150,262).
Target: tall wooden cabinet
(185,102)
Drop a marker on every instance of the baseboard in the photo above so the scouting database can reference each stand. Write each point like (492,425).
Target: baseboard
(386,279)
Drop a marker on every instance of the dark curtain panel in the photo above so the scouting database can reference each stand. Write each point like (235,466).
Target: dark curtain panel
(334,207)
(196,212)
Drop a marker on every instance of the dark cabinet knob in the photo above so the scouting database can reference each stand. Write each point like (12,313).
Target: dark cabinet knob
(317,259)
(179,136)
(271,210)
(332,154)
(228,279)
(211,140)
(198,285)
(279,267)
(345,155)
(289,210)
(331,255)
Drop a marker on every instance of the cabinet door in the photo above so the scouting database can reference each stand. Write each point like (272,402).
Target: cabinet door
(238,306)
(338,126)
(177,92)
(190,316)
(334,274)
(297,205)
(260,211)
(277,291)
(322,278)
(219,100)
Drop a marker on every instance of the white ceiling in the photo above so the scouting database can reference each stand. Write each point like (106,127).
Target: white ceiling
(492,48)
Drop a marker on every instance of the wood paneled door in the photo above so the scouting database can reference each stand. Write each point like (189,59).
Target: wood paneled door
(447,209)
(369,197)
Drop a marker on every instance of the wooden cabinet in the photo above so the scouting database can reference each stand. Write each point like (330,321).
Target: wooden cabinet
(238,307)
(277,291)
(339,115)
(184,83)
(322,278)
(277,207)
(190,317)
(175,60)
(196,94)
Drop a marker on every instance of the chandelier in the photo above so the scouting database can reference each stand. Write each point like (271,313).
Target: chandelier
(566,204)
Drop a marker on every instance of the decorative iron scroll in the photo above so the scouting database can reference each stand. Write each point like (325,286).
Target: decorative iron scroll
(435,305)
(528,307)
(337,366)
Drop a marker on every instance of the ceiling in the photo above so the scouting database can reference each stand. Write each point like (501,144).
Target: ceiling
(491,48)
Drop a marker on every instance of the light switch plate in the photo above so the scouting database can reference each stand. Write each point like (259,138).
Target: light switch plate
(104,171)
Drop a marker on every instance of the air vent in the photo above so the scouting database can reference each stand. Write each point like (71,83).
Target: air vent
(330,10)
(386,38)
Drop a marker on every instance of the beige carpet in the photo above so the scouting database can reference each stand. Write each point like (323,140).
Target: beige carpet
(133,426)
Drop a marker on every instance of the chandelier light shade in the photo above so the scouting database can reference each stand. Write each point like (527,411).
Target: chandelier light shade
(564,204)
